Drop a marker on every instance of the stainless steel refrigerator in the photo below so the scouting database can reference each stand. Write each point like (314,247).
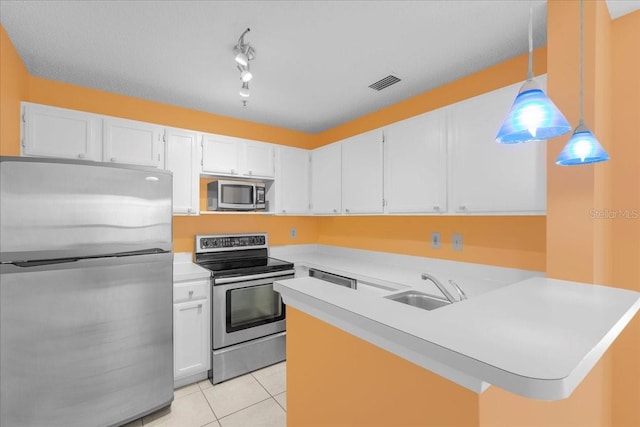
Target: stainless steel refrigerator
(86,336)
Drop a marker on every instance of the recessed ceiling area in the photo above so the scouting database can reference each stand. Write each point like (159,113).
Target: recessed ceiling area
(314,59)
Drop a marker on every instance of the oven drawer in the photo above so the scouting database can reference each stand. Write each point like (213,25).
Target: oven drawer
(189,291)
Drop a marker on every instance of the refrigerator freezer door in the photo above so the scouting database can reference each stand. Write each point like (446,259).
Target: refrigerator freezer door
(63,209)
(86,343)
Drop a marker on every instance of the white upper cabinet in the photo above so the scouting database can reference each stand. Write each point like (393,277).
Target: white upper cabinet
(58,132)
(488,177)
(132,142)
(221,154)
(362,173)
(326,179)
(182,158)
(416,164)
(225,155)
(259,159)
(292,180)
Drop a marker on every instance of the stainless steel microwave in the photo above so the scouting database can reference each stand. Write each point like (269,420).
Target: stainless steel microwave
(229,195)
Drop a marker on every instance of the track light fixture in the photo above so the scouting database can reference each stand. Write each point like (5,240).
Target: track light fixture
(243,54)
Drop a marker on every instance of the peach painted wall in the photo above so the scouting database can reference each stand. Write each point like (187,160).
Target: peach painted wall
(625,188)
(50,92)
(14,87)
(508,241)
(336,379)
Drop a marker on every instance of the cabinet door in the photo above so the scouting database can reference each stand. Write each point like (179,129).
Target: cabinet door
(58,132)
(292,181)
(221,154)
(362,173)
(326,179)
(487,176)
(258,157)
(416,162)
(182,159)
(191,340)
(131,142)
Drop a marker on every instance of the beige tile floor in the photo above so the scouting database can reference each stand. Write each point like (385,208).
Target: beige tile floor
(258,399)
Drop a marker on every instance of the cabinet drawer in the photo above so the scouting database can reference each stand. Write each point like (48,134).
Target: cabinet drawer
(189,291)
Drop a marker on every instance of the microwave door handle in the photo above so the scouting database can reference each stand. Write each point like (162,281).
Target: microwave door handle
(255,196)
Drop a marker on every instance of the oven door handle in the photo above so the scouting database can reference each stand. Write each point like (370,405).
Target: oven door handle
(234,279)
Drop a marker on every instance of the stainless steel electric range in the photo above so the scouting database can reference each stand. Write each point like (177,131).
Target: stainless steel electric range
(247,315)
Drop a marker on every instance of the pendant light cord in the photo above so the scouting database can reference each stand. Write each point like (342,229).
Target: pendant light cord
(530,71)
(581,62)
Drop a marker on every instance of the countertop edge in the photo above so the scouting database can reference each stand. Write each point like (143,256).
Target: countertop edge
(470,373)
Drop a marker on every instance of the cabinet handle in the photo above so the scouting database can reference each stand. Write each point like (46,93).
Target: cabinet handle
(463,207)
(347,211)
(284,211)
(335,211)
(113,159)
(189,210)
(81,156)
(190,294)
(436,208)
(250,173)
(233,171)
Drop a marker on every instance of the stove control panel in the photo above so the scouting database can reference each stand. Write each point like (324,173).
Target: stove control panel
(225,242)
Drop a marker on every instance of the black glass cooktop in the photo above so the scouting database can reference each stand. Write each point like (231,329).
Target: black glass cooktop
(245,266)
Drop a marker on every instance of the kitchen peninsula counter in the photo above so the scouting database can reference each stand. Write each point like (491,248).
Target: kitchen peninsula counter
(535,337)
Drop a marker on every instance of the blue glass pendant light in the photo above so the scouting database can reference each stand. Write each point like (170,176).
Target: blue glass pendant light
(533,116)
(583,147)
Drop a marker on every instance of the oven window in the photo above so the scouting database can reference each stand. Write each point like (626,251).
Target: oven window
(237,194)
(253,306)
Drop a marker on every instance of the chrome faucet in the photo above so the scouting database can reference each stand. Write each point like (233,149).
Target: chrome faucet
(445,292)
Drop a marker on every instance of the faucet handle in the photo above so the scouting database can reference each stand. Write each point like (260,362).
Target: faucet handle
(458,289)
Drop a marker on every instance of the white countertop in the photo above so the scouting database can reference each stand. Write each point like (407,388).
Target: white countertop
(535,337)
(392,272)
(184,269)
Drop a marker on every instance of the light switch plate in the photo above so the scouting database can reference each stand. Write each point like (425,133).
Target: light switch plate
(435,240)
(293,233)
(456,242)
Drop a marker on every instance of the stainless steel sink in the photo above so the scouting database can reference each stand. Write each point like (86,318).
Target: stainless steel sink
(419,299)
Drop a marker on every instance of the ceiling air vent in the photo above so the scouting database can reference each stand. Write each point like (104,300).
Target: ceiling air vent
(385,82)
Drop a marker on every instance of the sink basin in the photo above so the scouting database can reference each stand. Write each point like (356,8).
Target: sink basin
(419,299)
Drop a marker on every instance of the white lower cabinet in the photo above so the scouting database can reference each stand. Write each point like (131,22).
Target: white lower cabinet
(191,331)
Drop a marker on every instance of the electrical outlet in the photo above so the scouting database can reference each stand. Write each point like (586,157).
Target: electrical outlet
(435,240)
(456,242)
(293,232)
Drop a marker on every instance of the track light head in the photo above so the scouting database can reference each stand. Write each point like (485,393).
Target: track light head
(244,90)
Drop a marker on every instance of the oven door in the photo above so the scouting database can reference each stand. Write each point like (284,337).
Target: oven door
(246,310)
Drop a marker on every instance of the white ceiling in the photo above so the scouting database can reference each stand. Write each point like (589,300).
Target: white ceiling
(314,59)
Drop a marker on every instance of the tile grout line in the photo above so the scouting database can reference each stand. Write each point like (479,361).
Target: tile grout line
(269,393)
(209,403)
(247,407)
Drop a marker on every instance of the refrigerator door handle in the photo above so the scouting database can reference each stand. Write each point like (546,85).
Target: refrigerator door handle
(27,264)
